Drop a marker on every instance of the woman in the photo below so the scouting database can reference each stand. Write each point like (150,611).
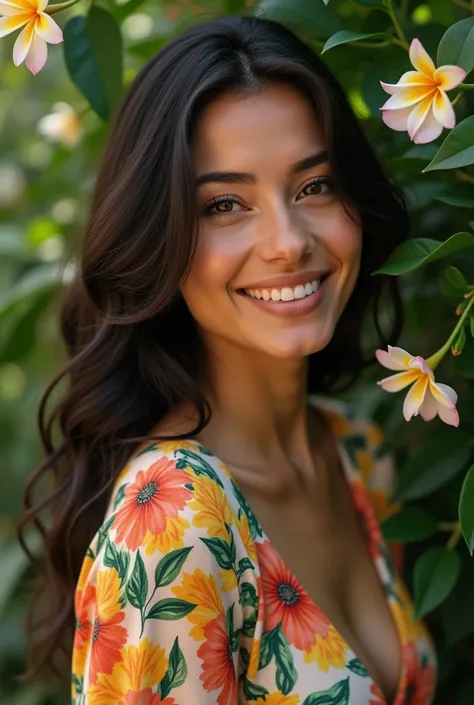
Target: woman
(215,512)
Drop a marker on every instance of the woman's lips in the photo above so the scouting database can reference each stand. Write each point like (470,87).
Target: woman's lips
(290,309)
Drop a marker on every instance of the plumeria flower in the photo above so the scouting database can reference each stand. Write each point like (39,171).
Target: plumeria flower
(39,28)
(62,125)
(426,397)
(419,103)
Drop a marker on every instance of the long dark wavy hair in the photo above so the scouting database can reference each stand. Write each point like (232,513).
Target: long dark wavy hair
(134,350)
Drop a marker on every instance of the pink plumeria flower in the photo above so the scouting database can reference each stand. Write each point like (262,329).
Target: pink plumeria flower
(419,104)
(426,397)
(39,28)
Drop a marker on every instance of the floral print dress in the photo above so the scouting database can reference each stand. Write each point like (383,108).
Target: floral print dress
(183,600)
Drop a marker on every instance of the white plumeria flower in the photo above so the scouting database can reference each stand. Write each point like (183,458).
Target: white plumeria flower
(61,125)
(426,397)
(419,104)
(40,28)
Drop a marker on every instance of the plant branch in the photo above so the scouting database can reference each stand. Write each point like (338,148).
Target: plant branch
(464,5)
(455,537)
(435,359)
(51,9)
(393,16)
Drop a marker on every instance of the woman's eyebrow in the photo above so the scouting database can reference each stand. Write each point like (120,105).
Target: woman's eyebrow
(239,177)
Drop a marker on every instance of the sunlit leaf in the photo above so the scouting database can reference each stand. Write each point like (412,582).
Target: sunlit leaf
(345,37)
(310,16)
(418,252)
(457,45)
(436,574)
(454,283)
(457,149)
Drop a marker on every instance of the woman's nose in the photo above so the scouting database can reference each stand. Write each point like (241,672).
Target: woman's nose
(282,237)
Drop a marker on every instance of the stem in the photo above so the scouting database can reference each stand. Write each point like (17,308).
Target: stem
(455,537)
(464,5)
(51,9)
(457,98)
(447,525)
(435,359)
(396,24)
(466,86)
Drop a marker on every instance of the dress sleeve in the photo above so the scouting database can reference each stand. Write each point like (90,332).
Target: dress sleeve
(158,614)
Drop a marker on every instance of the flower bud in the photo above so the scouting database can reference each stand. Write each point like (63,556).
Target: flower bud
(461,307)
(459,343)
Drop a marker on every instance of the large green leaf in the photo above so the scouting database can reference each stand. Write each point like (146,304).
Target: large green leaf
(137,585)
(457,615)
(418,252)
(410,524)
(457,149)
(338,694)
(170,608)
(93,56)
(310,16)
(176,672)
(33,283)
(460,195)
(345,37)
(170,565)
(466,509)
(436,573)
(457,45)
(454,283)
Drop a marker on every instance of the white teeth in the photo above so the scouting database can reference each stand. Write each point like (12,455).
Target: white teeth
(286,293)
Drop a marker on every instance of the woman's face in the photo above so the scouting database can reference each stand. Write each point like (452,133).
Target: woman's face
(270,227)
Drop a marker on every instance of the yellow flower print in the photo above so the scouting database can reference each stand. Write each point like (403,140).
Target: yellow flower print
(170,539)
(202,590)
(278,698)
(108,593)
(123,473)
(141,667)
(87,564)
(212,507)
(383,507)
(244,531)
(338,423)
(172,446)
(365,464)
(328,651)
(226,470)
(254,659)
(411,630)
(229,579)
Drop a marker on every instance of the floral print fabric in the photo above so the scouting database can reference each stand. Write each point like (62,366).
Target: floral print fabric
(183,600)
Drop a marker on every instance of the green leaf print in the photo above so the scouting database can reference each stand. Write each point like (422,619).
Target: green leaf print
(252,691)
(120,496)
(248,594)
(267,647)
(169,566)
(244,564)
(103,532)
(337,695)
(78,683)
(120,560)
(254,526)
(197,463)
(357,667)
(170,608)
(147,449)
(286,674)
(176,673)
(137,585)
(232,550)
(220,549)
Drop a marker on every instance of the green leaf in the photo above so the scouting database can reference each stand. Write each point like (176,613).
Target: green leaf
(457,149)
(311,16)
(176,672)
(457,45)
(286,673)
(120,496)
(357,667)
(169,566)
(93,56)
(460,195)
(436,573)
(410,524)
(375,4)
(244,564)
(170,608)
(454,283)
(464,364)
(471,324)
(248,595)
(345,37)
(418,252)
(466,509)
(252,691)
(338,694)
(137,585)
(220,549)
(34,282)
(457,615)
(439,459)
(119,560)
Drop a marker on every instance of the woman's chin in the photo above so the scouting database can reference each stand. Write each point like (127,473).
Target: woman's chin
(292,347)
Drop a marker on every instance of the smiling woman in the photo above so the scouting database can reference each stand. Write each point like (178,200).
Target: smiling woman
(213,531)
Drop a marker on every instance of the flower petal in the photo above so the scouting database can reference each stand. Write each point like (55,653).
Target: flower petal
(449,76)
(429,130)
(396,382)
(429,408)
(443,111)
(397,119)
(449,416)
(23,43)
(10,24)
(444,394)
(48,29)
(409,95)
(415,398)
(19,6)
(394,359)
(419,114)
(37,55)
(420,58)
(420,363)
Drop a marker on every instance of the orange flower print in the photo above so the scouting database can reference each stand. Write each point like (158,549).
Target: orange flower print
(286,601)
(370,527)
(108,636)
(376,697)
(139,669)
(156,494)
(84,603)
(420,678)
(278,698)
(218,667)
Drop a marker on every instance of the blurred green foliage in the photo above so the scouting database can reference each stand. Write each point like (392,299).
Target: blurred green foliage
(45,185)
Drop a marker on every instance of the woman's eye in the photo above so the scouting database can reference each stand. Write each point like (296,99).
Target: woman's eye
(221,206)
(317,187)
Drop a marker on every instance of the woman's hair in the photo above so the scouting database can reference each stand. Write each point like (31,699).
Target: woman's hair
(134,349)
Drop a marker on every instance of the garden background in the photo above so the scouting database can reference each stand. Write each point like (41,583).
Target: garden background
(47,170)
